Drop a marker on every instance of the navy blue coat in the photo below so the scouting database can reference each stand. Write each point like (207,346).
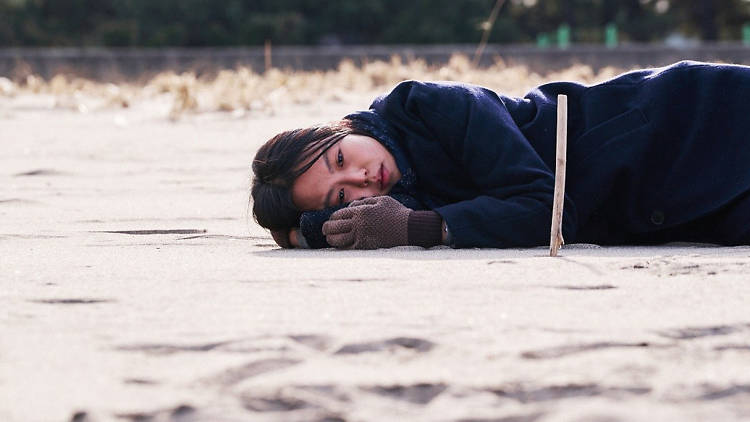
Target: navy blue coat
(653,155)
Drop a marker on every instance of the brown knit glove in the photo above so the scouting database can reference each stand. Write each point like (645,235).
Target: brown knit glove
(381,222)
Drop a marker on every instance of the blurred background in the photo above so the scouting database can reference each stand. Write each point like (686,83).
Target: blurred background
(127,38)
(199,23)
(258,56)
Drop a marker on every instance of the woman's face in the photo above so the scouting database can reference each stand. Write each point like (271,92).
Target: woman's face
(355,167)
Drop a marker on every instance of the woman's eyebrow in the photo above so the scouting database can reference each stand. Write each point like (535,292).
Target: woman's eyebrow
(327,162)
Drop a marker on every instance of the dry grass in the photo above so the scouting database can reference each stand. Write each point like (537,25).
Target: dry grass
(243,91)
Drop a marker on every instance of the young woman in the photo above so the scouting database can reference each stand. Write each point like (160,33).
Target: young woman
(654,155)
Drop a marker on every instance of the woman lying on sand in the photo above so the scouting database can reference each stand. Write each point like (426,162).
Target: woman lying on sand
(654,155)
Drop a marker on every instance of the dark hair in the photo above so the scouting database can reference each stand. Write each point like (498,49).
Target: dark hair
(279,162)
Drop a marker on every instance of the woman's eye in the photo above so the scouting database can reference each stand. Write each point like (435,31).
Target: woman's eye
(341,196)
(340,159)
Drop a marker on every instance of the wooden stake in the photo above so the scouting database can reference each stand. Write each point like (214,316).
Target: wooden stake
(556,238)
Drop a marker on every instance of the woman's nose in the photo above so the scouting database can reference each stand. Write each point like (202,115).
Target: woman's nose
(358,178)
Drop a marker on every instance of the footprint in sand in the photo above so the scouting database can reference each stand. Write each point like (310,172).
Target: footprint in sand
(275,403)
(18,201)
(689,333)
(183,412)
(422,393)
(717,393)
(40,172)
(232,376)
(533,394)
(566,350)
(152,232)
(71,301)
(584,287)
(312,341)
(671,267)
(316,402)
(410,343)
(168,349)
(531,417)
(246,345)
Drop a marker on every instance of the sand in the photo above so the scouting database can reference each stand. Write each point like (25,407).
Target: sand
(134,288)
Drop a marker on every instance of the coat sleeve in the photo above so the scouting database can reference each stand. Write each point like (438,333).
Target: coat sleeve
(474,129)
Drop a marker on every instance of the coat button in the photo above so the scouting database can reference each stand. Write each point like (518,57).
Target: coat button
(657,217)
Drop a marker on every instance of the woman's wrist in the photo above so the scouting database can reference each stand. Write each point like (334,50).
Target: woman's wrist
(424,228)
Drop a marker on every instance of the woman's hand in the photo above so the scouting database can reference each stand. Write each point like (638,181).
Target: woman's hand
(282,238)
(370,223)
(291,238)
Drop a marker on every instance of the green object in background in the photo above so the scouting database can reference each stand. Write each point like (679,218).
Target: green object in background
(543,40)
(563,36)
(610,35)
(746,34)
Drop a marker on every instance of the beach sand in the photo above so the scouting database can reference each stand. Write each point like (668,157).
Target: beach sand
(133,287)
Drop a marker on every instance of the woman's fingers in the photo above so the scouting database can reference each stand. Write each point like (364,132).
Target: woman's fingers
(338,229)
(332,226)
(365,201)
(342,214)
(341,240)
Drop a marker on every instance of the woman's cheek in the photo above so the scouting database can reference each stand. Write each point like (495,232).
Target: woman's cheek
(363,193)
